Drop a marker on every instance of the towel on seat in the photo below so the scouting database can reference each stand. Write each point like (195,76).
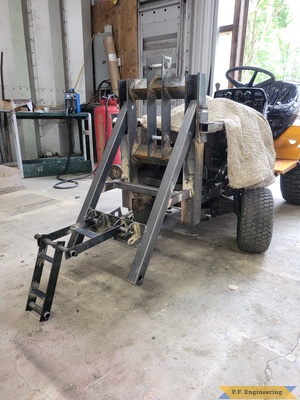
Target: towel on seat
(250,147)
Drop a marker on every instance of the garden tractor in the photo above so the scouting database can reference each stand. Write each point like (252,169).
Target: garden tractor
(278,101)
(161,169)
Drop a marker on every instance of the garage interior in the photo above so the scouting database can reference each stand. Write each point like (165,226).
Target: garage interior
(207,315)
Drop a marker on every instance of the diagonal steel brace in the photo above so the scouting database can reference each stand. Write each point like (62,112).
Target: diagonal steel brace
(155,221)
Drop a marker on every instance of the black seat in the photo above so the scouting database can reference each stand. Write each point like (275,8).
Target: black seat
(283,105)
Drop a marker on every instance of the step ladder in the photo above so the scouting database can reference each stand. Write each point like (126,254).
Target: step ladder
(35,293)
(186,154)
(96,228)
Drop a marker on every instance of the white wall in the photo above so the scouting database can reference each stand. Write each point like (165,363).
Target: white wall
(200,36)
(193,24)
(44,44)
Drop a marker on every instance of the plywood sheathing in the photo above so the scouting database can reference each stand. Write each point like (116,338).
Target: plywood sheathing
(123,18)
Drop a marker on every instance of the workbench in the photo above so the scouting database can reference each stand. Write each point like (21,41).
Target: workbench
(84,123)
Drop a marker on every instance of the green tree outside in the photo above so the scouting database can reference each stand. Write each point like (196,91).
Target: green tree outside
(272,41)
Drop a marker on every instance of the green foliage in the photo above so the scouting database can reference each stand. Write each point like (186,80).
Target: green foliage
(268,42)
(282,15)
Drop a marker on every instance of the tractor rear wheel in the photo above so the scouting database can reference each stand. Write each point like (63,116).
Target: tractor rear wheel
(290,185)
(255,220)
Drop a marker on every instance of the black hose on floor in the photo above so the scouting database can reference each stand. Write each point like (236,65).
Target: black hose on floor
(72,182)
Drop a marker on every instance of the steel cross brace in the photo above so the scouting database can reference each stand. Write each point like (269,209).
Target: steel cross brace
(164,194)
(165,191)
(103,169)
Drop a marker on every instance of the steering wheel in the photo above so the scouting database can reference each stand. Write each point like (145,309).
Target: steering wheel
(255,70)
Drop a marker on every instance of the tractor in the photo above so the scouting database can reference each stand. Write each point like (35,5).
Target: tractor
(165,168)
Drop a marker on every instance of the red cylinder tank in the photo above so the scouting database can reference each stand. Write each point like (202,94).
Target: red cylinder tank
(103,120)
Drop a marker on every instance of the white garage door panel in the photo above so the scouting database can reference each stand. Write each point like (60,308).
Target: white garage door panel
(159,32)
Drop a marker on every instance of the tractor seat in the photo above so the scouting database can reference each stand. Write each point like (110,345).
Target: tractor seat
(283,105)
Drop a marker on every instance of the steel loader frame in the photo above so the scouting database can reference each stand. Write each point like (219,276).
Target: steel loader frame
(182,157)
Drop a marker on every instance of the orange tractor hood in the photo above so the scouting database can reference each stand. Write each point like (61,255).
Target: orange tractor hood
(287,148)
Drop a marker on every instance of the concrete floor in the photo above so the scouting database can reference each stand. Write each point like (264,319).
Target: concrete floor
(180,335)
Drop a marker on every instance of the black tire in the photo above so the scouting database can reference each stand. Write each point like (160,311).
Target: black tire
(255,220)
(290,185)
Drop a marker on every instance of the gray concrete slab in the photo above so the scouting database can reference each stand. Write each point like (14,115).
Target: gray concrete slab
(180,335)
(10,179)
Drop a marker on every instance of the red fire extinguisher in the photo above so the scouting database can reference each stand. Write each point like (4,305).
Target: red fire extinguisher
(104,115)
